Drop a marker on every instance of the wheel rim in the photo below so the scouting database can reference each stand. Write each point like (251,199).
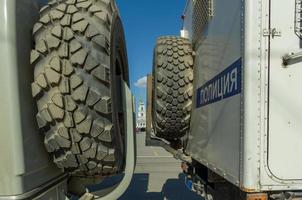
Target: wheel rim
(119,74)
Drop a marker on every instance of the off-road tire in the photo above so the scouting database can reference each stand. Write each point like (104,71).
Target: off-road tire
(72,85)
(172,87)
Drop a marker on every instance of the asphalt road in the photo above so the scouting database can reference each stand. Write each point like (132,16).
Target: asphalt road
(157,176)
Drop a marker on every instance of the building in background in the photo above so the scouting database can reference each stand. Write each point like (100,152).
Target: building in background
(141,117)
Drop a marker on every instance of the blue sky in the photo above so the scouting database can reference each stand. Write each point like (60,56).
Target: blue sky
(144,21)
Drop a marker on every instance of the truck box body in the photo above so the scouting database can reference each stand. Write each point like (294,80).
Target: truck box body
(245,123)
(25,167)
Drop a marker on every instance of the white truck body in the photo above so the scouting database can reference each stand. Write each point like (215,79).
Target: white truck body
(245,123)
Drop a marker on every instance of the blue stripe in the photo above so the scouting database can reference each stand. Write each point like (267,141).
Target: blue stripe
(222,86)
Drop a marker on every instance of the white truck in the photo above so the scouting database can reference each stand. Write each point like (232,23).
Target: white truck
(66,110)
(234,114)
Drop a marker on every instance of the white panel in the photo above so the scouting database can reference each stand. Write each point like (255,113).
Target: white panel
(251,146)
(285,99)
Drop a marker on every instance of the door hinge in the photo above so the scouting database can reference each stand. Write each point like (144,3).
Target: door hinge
(272,32)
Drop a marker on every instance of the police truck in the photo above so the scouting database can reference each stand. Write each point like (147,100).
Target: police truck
(225,97)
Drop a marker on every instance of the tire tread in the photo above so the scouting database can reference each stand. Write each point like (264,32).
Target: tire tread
(173,87)
(73,104)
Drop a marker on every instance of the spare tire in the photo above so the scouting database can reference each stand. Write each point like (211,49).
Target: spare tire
(172,87)
(74,80)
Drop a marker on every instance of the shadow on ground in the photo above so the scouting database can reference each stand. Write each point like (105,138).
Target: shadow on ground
(173,189)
